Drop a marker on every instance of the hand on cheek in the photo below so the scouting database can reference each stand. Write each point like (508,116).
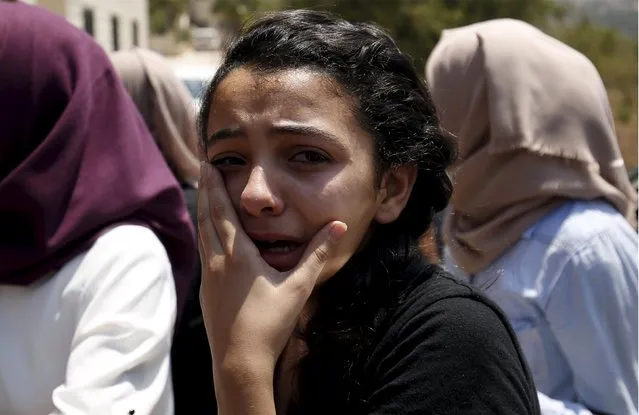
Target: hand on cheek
(249,308)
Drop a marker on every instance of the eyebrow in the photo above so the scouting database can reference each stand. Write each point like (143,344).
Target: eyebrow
(289,129)
(224,133)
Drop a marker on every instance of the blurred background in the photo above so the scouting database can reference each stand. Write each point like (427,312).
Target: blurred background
(192,33)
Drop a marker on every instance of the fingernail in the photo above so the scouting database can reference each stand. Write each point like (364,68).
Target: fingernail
(337,231)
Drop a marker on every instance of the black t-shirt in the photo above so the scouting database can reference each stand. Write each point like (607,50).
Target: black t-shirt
(448,350)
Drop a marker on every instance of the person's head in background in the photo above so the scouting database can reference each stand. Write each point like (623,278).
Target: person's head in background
(165,105)
(534,126)
(311,119)
(75,155)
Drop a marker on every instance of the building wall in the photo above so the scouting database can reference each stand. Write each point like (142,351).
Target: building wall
(56,6)
(126,12)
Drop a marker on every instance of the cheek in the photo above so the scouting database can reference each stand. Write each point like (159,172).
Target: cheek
(352,201)
(345,197)
(235,183)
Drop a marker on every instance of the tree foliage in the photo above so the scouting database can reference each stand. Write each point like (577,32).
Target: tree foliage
(414,24)
(164,14)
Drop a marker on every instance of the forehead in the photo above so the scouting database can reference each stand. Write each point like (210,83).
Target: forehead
(293,93)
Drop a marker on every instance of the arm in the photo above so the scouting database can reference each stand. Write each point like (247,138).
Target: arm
(119,357)
(593,314)
(244,391)
(455,357)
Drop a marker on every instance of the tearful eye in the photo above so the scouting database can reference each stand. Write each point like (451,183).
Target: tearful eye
(310,157)
(228,161)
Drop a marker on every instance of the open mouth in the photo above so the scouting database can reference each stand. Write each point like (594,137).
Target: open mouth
(281,254)
(280,246)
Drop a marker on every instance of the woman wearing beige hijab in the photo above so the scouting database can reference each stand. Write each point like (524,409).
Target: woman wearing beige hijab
(165,105)
(541,208)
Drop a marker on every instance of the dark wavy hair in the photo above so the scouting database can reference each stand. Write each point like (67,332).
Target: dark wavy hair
(393,104)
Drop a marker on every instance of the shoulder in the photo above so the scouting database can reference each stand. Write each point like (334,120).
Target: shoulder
(442,304)
(440,309)
(575,234)
(129,255)
(573,225)
(449,349)
(129,241)
(586,242)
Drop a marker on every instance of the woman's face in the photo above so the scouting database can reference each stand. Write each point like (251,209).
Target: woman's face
(294,158)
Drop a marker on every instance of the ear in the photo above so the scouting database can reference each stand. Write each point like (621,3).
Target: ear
(395,191)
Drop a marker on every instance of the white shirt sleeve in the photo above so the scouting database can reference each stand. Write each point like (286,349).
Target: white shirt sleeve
(119,360)
(550,406)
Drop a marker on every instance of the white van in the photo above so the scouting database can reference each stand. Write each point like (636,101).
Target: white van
(206,38)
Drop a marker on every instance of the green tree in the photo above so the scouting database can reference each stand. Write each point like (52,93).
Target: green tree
(164,14)
(234,13)
(416,25)
(615,57)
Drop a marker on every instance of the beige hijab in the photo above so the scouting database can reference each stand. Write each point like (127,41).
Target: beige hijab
(165,105)
(534,126)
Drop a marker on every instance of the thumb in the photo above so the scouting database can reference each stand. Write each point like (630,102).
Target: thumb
(318,252)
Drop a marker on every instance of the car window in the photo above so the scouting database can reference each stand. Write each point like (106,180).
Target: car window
(195,86)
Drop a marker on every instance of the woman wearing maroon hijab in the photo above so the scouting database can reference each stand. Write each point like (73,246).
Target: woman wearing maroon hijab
(95,240)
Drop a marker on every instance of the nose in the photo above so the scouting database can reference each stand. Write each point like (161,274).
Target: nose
(258,197)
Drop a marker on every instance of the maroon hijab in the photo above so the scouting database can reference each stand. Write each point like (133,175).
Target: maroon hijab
(75,155)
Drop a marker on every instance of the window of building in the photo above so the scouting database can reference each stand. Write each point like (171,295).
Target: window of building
(115,32)
(135,33)
(87,15)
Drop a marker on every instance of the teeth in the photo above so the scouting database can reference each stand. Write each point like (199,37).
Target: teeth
(281,249)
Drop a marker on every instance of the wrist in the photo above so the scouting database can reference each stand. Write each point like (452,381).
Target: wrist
(244,370)
(243,388)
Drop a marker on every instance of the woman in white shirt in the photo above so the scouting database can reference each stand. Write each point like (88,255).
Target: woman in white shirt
(541,211)
(95,238)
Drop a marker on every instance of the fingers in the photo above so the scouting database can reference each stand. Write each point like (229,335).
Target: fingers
(208,241)
(222,214)
(319,250)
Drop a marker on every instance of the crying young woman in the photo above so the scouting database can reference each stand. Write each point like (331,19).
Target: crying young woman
(323,164)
